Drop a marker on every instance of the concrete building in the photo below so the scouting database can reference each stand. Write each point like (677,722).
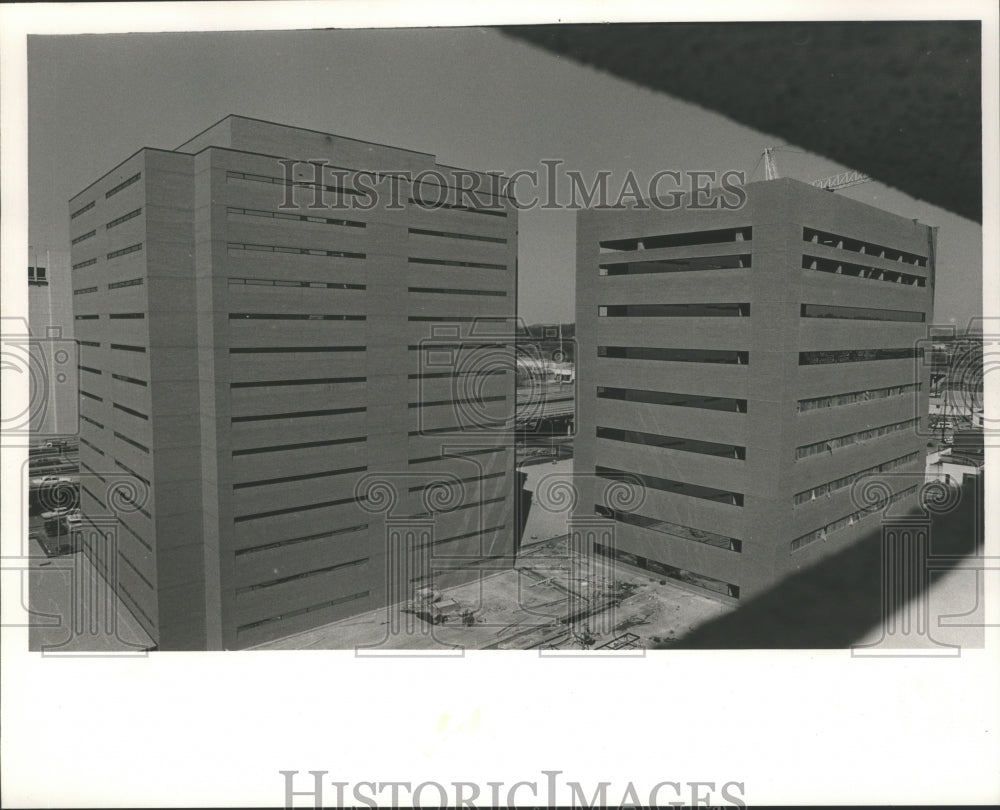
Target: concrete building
(748,366)
(270,318)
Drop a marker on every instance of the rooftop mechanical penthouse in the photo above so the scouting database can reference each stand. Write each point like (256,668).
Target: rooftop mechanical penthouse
(748,367)
(273,395)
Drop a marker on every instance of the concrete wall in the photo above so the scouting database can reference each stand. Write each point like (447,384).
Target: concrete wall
(284,351)
(769,377)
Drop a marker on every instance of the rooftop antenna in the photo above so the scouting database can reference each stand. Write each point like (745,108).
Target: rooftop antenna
(834,182)
(770,165)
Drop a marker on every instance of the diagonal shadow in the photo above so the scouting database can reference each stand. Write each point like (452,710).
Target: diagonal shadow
(834,603)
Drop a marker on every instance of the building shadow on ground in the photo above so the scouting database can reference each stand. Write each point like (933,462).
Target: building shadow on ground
(836,602)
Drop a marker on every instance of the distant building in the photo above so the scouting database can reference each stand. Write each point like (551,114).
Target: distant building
(748,367)
(251,360)
(952,469)
(50,318)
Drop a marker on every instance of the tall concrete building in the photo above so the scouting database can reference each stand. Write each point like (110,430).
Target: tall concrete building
(270,319)
(748,366)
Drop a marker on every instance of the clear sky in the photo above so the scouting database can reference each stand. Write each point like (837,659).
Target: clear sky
(472,97)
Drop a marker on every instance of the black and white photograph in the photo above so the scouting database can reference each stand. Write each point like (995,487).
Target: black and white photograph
(445,407)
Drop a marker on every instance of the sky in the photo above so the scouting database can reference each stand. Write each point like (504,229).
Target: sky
(473,97)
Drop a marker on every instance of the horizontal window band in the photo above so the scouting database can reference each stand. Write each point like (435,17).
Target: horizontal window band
(858,355)
(304,381)
(688,239)
(132,442)
(440,375)
(812,493)
(673,399)
(453,263)
(463,507)
(132,282)
(278,448)
(83,210)
(133,604)
(463,536)
(436,402)
(864,248)
(124,252)
(454,235)
(135,534)
(304,575)
(432,205)
(693,264)
(674,311)
(693,578)
(277,282)
(123,185)
(130,411)
(341,600)
(295,540)
(458,429)
(124,218)
(448,482)
(303,251)
(93,472)
(849,520)
(132,380)
(431,345)
(862,271)
(858,437)
(860,313)
(299,414)
(854,397)
(457,319)
(282,181)
(130,471)
(740,358)
(671,486)
(296,509)
(261,316)
(701,447)
(92,446)
(254,212)
(453,291)
(672,529)
(90,492)
(461,454)
(287,479)
(296,349)
(137,572)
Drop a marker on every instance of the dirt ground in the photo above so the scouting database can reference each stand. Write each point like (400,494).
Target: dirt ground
(553,600)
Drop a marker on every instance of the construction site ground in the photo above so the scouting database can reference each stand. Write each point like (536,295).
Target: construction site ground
(552,599)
